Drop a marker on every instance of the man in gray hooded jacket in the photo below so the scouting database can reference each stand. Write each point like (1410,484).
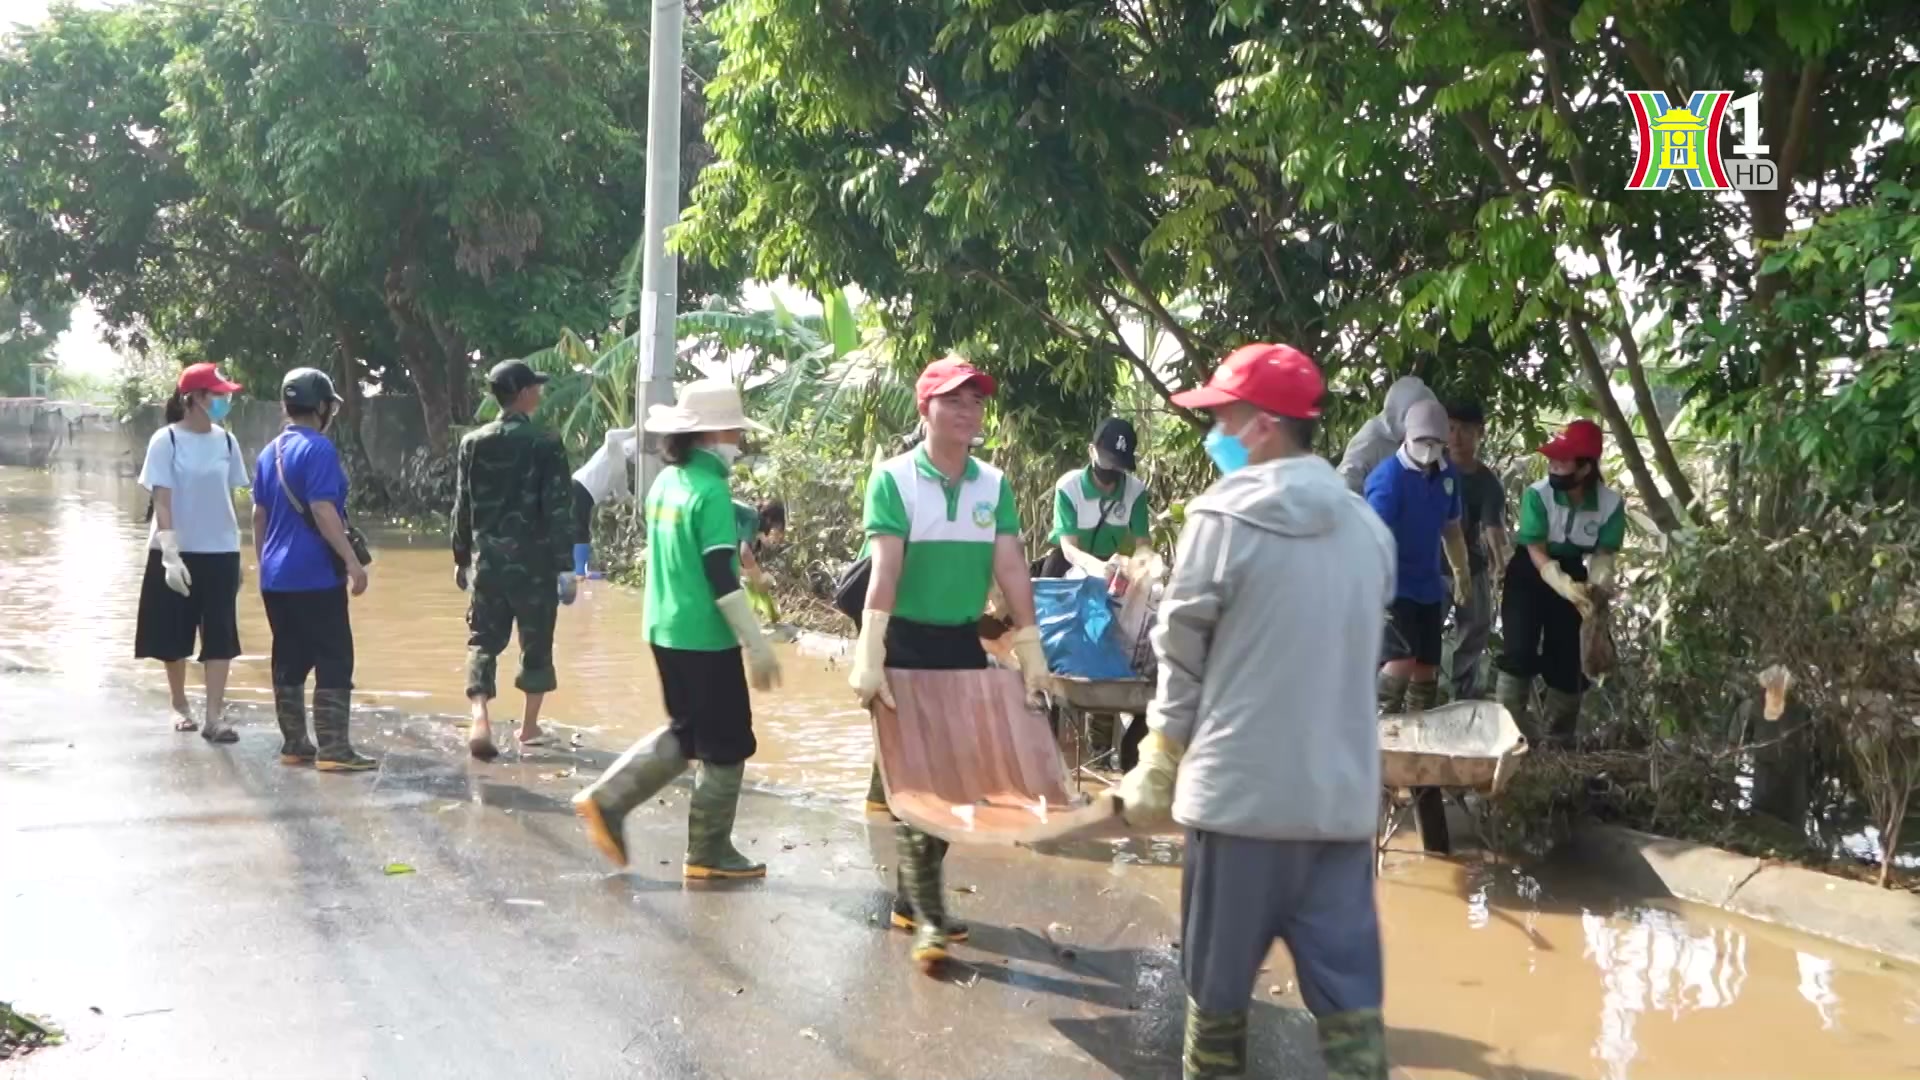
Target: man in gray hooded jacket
(1380,437)
(1262,738)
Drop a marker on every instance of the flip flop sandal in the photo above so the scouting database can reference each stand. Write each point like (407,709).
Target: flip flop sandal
(545,738)
(220,735)
(185,723)
(482,749)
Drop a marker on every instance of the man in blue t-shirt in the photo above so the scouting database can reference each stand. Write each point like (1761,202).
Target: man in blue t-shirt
(307,565)
(1417,494)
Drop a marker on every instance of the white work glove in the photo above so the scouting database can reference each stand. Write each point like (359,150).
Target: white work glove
(869,675)
(1600,571)
(1146,792)
(1556,578)
(1033,662)
(763,667)
(569,587)
(178,579)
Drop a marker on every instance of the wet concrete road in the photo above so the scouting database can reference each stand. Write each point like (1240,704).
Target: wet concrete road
(187,910)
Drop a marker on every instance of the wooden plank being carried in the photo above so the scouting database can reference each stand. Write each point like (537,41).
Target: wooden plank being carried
(966,759)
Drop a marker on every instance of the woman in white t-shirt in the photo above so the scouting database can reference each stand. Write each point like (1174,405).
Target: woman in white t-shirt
(193,559)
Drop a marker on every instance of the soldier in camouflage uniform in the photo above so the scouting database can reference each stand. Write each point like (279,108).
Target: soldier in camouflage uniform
(512,535)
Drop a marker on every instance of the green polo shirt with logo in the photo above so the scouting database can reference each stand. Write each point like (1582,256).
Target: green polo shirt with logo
(689,513)
(1536,523)
(1094,517)
(950,528)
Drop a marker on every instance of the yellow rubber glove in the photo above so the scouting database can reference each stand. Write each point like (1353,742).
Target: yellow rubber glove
(1146,792)
(1600,570)
(1456,548)
(763,667)
(869,675)
(1557,580)
(1033,660)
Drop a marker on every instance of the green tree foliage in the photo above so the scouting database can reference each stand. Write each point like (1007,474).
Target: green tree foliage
(399,191)
(27,334)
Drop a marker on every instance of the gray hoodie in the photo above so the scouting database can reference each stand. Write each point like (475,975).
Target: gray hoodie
(1268,639)
(1379,437)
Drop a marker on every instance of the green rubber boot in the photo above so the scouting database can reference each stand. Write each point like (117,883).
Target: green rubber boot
(1393,694)
(332,712)
(290,709)
(1516,694)
(710,851)
(1216,1044)
(1354,1045)
(1562,716)
(877,793)
(1421,696)
(646,767)
(921,857)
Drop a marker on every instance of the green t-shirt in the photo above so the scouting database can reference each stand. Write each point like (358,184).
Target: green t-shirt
(746,521)
(950,529)
(1103,524)
(689,513)
(1569,531)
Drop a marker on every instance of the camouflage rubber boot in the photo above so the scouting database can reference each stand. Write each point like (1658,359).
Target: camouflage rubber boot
(1516,695)
(710,850)
(1216,1043)
(1393,693)
(903,916)
(1354,1045)
(332,710)
(290,709)
(921,857)
(646,767)
(1562,716)
(877,793)
(1421,696)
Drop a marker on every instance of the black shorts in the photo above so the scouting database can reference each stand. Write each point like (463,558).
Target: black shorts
(312,635)
(582,514)
(168,622)
(916,646)
(1415,631)
(708,709)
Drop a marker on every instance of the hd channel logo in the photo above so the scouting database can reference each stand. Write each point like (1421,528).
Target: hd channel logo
(1686,143)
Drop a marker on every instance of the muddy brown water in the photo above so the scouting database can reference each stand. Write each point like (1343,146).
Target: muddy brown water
(1492,972)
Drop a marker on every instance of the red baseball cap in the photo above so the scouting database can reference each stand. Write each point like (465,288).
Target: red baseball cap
(205,377)
(1580,439)
(948,374)
(1278,379)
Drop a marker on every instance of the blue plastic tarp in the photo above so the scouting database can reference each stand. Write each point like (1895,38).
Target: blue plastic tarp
(1077,629)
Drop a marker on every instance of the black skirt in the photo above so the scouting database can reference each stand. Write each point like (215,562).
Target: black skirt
(168,622)
(708,709)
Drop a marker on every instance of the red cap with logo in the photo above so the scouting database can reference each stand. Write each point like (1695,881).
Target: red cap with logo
(1580,439)
(1277,379)
(205,377)
(948,374)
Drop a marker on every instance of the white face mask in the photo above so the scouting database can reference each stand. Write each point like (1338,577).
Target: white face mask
(1425,453)
(727,452)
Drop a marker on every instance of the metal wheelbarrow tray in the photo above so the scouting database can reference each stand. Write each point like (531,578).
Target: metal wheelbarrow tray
(964,758)
(1469,744)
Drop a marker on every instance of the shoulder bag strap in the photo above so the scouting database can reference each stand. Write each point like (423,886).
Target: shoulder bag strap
(280,470)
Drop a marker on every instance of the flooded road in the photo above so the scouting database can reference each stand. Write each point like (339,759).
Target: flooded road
(116,837)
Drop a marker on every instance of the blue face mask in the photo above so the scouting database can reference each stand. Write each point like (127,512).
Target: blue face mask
(219,407)
(1229,454)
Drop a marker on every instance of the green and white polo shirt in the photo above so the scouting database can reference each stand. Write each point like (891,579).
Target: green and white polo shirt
(1103,524)
(950,529)
(689,513)
(1568,531)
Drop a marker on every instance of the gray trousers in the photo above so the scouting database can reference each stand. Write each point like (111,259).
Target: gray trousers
(1237,895)
(1472,627)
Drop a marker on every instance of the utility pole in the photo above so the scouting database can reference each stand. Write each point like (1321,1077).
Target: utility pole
(659,273)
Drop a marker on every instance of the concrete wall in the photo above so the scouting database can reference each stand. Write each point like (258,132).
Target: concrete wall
(61,434)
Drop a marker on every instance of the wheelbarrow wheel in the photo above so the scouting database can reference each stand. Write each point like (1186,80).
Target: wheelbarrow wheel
(1430,813)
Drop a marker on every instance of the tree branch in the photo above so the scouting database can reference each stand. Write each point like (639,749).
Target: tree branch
(1188,344)
(1142,365)
(1557,88)
(1602,387)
